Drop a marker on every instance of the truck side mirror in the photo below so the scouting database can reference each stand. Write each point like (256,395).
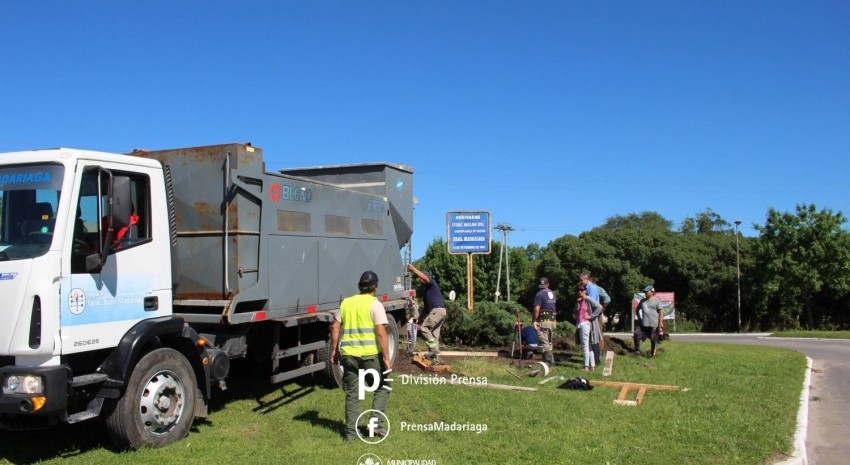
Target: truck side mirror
(117,216)
(122,206)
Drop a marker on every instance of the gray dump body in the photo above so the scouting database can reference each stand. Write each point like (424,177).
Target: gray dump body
(251,242)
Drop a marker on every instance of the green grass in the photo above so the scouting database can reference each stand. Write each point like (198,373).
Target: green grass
(814,334)
(740,407)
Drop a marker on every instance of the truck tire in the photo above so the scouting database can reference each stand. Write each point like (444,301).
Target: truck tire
(158,406)
(392,336)
(331,376)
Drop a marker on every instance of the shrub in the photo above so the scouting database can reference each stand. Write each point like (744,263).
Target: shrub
(490,324)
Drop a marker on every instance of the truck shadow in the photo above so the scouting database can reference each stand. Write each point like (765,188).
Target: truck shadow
(256,387)
(30,447)
(314,419)
(26,447)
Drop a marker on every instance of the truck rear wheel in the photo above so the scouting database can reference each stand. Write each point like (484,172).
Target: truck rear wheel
(331,376)
(158,406)
(392,336)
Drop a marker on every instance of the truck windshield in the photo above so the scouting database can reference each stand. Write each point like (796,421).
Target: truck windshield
(29,195)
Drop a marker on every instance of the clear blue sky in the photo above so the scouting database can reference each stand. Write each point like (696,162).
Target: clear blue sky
(551,115)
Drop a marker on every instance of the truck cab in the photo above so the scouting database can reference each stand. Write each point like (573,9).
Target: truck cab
(70,221)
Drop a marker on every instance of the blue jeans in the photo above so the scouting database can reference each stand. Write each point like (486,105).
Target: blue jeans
(584,329)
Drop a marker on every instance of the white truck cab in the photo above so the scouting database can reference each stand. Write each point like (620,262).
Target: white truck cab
(69,220)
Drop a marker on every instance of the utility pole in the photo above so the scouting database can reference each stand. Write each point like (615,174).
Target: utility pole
(738,264)
(505,250)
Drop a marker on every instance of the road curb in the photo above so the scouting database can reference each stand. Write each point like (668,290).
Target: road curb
(799,456)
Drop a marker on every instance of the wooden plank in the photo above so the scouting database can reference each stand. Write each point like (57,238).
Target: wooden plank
(441,368)
(641,393)
(609,363)
(549,379)
(421,362)
(626,387)
(426,364)
(504,387)
(450,353)
(657,387)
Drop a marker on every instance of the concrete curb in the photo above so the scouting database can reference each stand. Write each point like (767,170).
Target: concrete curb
(799,456)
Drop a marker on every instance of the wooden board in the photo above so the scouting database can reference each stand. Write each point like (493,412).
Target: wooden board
(450,353)
(609,363)
(504,387)
(642,389)
(657,387)
(426,364)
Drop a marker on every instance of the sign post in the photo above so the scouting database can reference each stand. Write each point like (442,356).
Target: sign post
(468,233)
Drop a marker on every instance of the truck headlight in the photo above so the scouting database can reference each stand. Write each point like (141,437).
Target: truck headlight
(23,384)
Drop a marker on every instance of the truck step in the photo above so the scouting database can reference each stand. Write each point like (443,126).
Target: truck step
(300,349)
(92,411)
(287,375)
(85,380)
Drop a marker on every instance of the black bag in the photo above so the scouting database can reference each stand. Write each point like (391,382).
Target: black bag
(577,383)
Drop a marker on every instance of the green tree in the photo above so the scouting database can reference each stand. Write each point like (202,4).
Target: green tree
(706,222)
(450,271)
(803,256)
(643,221)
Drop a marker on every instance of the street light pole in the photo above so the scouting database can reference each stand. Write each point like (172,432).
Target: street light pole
(738,264)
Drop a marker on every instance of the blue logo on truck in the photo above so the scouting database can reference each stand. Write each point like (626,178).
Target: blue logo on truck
(19,178)
(7,276)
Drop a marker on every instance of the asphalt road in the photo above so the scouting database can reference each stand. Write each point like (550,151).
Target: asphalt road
(828,438)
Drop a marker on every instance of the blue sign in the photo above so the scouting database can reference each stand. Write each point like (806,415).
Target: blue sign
(468,231)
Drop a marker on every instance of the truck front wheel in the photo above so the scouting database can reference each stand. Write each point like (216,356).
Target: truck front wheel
(158,406)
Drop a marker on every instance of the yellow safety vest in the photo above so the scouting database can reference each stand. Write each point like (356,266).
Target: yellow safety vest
(358,329)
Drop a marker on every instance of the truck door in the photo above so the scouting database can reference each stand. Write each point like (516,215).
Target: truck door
(100,303)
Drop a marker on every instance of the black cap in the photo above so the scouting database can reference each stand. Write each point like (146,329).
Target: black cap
(544,282)
(368,281)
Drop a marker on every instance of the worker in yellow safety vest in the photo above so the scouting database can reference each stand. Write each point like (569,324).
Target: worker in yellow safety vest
(359,342)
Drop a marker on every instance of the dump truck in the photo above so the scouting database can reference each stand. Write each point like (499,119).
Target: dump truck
(130,282)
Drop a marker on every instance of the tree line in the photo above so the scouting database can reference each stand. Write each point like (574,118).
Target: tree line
(794,274)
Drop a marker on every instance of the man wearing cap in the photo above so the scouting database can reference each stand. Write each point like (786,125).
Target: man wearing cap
(363,345)
(649,313)
(543,317)
(432,318)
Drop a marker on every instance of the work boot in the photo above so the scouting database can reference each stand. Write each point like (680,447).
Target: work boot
(549,358)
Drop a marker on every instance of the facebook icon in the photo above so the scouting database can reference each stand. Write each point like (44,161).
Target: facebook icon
(375,433)
(372,426)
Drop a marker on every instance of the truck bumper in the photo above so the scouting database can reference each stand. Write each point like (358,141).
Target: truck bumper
(34,411)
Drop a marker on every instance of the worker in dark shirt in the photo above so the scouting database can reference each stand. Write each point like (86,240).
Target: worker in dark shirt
(544,318)
(432,317)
